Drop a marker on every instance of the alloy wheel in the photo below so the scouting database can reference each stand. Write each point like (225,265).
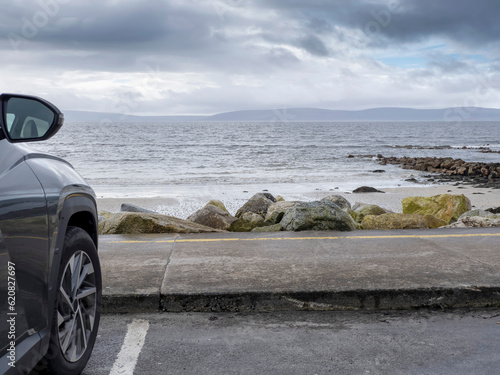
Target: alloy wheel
(76,310)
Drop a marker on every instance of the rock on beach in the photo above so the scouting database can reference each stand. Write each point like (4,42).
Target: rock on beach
(366,189)
(277,210)
(331,213)
(127,207)
(247,222)
(360,210)
(318,215)
(258,204)
(446,207)
(137,222)
(476,219)
(339,200)
(394,221)
(213,217)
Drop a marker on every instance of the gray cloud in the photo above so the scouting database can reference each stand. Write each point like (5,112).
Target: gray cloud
(314,46)
(230,54)
(403,21)
(448,64)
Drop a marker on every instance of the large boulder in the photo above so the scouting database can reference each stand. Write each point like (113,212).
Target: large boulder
(258,204)
(339,200)
(102,216)
(362,210)
(475,222)
(446,207)
(394,221)
(479,212)
(213,217)
(317,215)
(247,222)
(476,219)
(277,210)
(136,223)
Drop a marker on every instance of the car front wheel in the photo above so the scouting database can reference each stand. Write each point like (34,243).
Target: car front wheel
(78,305)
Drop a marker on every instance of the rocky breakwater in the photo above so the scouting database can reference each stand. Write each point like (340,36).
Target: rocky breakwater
(484,173)
(264,213)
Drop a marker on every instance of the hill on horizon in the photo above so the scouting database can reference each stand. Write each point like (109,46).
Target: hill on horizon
(454,114)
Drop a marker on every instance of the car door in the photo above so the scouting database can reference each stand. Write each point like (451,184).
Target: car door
(23,248)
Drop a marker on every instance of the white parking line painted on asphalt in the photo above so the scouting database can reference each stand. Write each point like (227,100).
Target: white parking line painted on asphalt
(131,348)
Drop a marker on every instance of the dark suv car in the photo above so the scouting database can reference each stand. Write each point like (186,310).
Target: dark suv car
(50,278)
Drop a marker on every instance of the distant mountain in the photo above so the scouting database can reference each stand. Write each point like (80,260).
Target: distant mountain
(375,114)
(308,114)
(83,116)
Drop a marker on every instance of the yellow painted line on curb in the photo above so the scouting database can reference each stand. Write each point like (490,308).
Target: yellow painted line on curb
(313,238)
(429,236)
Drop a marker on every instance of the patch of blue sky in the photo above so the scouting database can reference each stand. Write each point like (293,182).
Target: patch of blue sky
(478,58)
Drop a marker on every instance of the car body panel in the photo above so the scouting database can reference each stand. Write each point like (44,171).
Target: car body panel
(40,196)
(23,227)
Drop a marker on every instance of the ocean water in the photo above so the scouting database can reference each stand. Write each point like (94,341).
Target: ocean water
(147,158)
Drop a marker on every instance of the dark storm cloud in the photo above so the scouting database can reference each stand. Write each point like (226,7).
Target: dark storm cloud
(102,24)
(126,35)
(205,29)
(203,32)
(462,21)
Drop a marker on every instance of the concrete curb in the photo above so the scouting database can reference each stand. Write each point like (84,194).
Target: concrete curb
(130,303)
(302,271)
(370,300)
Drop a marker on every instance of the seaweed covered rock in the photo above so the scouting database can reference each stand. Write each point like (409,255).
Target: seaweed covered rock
(394,221)
(361,210)
(446,207)
(434,222)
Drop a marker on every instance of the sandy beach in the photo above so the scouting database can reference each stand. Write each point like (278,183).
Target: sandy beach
(182,201)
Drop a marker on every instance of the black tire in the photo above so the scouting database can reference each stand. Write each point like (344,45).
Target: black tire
(76,316)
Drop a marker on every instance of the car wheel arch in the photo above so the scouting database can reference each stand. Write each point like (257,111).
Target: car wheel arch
(74,210)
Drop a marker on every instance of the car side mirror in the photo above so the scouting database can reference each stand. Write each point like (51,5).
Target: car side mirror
(28,118)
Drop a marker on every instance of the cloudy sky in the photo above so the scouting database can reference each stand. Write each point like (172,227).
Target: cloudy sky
(155,57)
